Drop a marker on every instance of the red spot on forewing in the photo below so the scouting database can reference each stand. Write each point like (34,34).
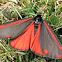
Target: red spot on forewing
(46,51)
(2,26)
(59,56)
(7,36)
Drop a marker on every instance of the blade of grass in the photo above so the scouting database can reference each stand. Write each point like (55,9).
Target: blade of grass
(22,53)
(3,46)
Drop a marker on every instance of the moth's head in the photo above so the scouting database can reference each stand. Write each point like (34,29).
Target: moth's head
(38,18)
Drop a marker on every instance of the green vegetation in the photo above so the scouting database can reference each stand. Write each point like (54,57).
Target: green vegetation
(11,10)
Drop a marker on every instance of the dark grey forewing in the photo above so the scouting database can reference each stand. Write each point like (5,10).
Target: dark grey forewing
(48,42)
(14,30)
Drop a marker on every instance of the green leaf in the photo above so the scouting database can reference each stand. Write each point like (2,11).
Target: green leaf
(7,13)
(59,60)
(42,60)
(54,21)
(18,59)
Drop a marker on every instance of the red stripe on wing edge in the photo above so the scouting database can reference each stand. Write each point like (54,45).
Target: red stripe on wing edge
(15,22)
(52,34)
